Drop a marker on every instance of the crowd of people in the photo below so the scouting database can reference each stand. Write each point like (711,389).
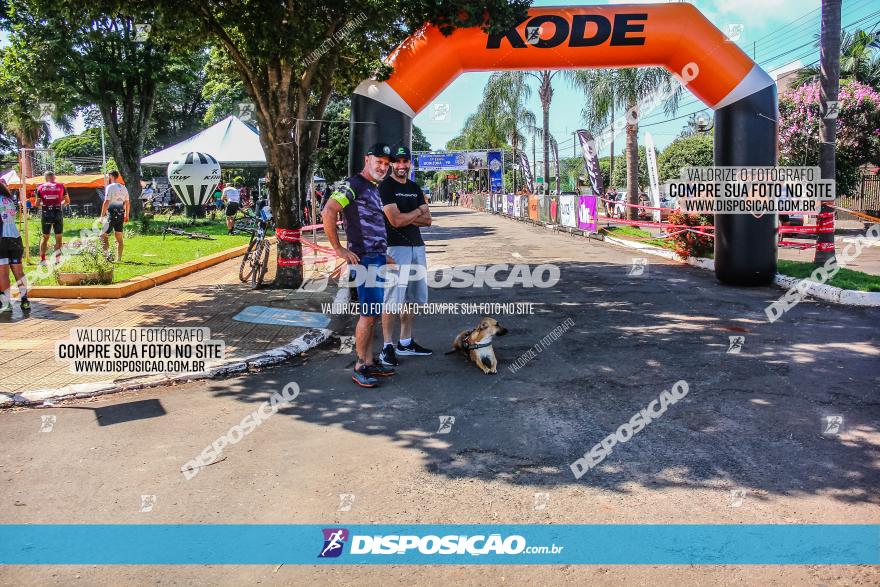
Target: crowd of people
(50,198)
(382,213)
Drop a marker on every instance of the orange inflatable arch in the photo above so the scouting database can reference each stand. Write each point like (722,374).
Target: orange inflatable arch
(675,36)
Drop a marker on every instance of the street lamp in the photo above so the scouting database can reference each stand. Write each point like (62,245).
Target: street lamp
(703,122)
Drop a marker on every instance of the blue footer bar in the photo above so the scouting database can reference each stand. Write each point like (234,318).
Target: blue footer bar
(439,544)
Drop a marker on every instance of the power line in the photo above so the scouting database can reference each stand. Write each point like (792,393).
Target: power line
(694,100)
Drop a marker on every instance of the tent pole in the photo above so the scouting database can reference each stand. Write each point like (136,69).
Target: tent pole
(22,195)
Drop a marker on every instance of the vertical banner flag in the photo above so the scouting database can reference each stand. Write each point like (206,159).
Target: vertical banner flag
(652,173)
(586,214)
(496,172)
(556,159)
(591,161)
(526,171)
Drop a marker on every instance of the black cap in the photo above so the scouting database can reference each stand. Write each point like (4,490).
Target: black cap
(401,152)
(380,150)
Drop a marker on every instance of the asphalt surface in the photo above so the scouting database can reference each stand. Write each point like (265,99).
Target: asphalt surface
(746,445)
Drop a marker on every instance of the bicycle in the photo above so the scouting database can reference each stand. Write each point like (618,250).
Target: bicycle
(256,259)
(179,232)
(246,223)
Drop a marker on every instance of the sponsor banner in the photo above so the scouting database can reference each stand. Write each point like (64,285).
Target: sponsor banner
(469,544)
(509,209)
(440,161)
(651,157)
(526,169)
(533,207)
(523,206)
(554,209)
(517,206)
(500,199)
(496,171)
(543,209)
(586,213)
(591,160)
(567,213)
(452,161)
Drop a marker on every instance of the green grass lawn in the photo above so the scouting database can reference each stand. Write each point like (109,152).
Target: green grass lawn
(634,232)
(145,249)
(845,278)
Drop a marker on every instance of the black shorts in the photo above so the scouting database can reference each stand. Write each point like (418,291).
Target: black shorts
(115,220)
(11,249)
(52,219)
(232,208)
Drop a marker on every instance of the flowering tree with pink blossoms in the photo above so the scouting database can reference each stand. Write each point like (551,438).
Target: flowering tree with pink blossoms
(858,130)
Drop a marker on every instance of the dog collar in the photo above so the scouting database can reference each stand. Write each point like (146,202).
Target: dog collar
(468,346)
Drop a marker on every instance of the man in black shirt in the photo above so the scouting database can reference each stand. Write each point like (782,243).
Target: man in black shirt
(405,211)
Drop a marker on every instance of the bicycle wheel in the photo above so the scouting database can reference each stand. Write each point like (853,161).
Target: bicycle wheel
(261,263)
(246,267)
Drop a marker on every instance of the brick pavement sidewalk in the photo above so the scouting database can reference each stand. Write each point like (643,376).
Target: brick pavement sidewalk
(210,298)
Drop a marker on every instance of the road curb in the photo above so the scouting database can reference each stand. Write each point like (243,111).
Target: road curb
(275,356)
(821,291)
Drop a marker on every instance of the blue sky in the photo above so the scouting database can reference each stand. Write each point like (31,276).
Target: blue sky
(776,30)
(781,34)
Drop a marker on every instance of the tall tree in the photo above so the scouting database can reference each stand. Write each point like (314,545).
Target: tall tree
(607,91)
(545,93)
(223,89)
(829,82)
(859,60)
(419,141)
(506,98)
(112,59)
(27,110)
(180,106)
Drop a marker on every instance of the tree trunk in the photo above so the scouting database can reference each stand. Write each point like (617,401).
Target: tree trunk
(546,144)
(534,160)
(632,169)
(131,173)
(829,80)
(611,162)
(285,198)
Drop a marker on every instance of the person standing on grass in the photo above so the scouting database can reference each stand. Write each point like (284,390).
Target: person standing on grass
(361,207)
(11,252)
(50,197)
(115,213)
(232,200)
(405,211)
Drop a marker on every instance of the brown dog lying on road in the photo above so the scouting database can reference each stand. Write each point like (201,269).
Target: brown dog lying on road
(476,344)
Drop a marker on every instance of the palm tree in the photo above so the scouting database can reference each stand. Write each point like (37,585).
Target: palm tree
(829,81)
(545,93)
(609,90)
(858,61)
(505,99)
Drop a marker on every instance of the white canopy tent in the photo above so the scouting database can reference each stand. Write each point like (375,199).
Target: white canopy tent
(230,141)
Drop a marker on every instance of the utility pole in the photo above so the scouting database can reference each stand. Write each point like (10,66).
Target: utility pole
(829,80)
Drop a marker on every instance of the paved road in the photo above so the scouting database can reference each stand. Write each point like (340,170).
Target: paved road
(751,422)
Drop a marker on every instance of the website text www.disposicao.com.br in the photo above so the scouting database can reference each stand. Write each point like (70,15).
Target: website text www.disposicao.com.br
(336,539)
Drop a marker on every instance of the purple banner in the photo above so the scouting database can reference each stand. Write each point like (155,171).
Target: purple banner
(509,209)
(586,213)
(591,161)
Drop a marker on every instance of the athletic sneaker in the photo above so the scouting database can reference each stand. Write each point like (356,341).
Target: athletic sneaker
(378,370)
(414,349)
(25,304)
(363,377)
(388,356)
